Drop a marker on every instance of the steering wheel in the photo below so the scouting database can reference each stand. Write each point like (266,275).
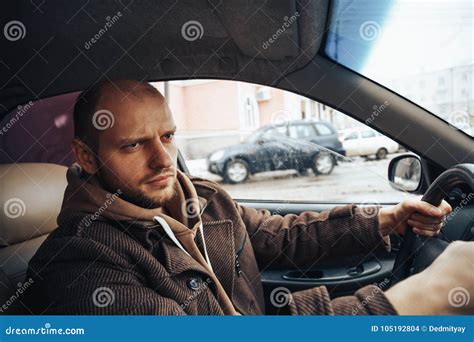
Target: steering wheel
(418,252)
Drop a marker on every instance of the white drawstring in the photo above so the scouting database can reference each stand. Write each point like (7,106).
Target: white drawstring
(173,238)
(169,232)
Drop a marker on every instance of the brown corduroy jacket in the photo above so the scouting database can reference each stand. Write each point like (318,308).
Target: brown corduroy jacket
(133,268)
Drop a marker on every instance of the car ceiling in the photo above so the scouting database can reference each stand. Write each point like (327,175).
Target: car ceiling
(146,42)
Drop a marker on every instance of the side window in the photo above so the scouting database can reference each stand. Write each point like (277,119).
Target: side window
(323,129)
(368,134)
(351,136)
(302,131)
(247,163)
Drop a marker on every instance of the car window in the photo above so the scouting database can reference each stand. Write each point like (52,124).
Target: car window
(302,131)
(288,167)
(351,136)
(323,129)
(422,50)
(368,134)
(274,133)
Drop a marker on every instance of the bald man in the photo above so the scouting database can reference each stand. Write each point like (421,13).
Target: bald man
(138,236)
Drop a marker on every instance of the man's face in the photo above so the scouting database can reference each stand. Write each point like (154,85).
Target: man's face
(138,154)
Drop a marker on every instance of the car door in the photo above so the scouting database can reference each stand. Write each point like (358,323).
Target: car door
(274,149)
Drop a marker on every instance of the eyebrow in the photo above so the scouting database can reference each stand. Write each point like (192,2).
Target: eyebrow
(143,137)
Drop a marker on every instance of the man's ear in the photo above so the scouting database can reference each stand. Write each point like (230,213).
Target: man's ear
(84,156)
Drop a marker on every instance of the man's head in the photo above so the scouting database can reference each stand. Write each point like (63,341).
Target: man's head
(124,134)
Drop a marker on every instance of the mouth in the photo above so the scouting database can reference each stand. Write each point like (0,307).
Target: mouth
(159,181)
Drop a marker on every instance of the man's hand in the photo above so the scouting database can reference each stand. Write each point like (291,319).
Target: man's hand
(444,288)
(425,218)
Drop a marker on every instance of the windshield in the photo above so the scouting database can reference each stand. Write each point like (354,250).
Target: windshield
(421,49)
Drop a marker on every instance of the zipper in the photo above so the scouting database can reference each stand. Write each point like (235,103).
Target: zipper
(237,255)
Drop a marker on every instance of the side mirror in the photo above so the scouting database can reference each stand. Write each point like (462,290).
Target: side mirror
(405,174)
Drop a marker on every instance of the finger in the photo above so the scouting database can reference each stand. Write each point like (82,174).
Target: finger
(425,219)
(419,225)
(445,207)
(425,232)
(425,208)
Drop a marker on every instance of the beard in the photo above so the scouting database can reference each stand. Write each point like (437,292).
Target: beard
(139,197)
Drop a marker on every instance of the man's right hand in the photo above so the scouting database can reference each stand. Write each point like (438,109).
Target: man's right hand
(446,287)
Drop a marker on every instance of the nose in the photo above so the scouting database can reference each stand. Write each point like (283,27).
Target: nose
(159,158)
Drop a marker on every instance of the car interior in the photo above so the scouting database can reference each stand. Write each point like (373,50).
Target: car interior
(146,44)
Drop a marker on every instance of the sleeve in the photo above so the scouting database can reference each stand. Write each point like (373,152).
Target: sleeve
(369,300)
(81,276)
(301,240)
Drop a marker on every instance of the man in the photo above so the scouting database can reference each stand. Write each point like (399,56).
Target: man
(137,236)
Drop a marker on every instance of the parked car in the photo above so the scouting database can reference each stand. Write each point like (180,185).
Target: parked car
(367,143)
(298,145)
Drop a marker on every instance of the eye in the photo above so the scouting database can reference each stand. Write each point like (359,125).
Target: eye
(168,137)
(132,146)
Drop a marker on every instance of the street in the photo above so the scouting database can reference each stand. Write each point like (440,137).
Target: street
(357,181)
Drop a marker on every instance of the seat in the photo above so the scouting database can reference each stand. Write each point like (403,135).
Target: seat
(31,196)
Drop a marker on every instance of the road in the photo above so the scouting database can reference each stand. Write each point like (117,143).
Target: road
(358,181)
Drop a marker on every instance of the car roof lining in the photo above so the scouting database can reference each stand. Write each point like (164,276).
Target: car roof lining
(149,42)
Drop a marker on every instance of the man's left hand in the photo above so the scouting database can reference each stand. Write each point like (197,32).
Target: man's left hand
(425,218)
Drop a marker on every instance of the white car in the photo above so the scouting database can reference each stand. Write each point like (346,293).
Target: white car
(367,143)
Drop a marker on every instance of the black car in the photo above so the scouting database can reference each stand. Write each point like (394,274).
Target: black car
(298,145)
